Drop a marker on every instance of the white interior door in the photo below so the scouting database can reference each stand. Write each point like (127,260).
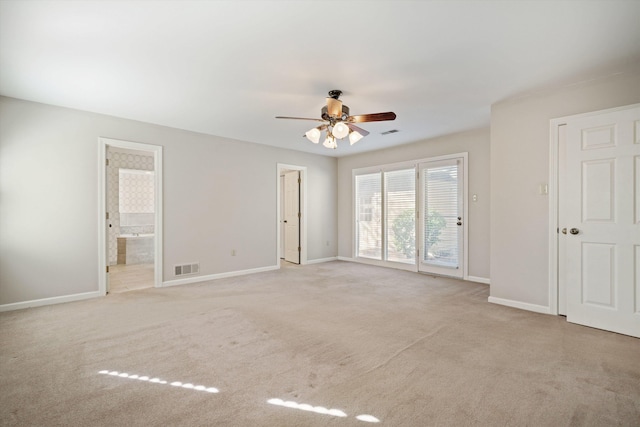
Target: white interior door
(601,213)
(292,216)
(441,231)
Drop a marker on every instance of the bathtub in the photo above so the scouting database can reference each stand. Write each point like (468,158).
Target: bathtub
(136,248)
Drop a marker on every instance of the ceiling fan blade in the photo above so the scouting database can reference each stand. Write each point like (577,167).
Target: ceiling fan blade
(357,129)
(334,107)
(299,118)
(377,117)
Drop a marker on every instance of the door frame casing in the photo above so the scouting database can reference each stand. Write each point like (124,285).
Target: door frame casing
(281,167)
(156,150)
(554,202)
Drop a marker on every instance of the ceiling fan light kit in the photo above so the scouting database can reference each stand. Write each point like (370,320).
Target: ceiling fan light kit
(313,135)
(340,130)
(338,123)
(330,142)
(354,137)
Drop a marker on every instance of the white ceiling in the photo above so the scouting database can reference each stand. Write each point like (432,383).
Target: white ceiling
(227,68)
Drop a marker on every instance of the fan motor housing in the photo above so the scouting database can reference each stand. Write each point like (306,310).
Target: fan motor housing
(345,113)
(335,93)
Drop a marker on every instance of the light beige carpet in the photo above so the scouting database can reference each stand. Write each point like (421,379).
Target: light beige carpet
(343,338)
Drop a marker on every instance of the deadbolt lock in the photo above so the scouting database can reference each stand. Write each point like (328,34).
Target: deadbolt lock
(564,230)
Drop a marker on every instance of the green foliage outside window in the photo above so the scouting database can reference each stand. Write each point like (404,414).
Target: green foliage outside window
(404,231)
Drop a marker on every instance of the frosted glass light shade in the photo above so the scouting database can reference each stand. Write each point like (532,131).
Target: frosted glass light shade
(313,135)
(340,130)
(330,142)
(354,137)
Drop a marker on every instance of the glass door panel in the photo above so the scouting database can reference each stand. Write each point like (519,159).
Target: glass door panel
(441,211)
(400,215)
(369,216)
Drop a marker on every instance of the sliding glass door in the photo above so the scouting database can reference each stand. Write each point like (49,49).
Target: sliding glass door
(441,217)
(385,215)
(411,215)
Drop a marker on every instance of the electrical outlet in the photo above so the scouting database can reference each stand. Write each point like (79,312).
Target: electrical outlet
(233,252)
(327,243)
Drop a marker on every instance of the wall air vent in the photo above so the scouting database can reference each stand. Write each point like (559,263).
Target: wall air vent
(390,131)
(181,270)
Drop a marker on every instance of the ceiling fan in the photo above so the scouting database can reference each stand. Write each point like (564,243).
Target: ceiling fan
(338,123)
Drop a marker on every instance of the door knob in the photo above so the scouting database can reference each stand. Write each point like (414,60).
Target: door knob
(285,220)
(574,231)
(459,223)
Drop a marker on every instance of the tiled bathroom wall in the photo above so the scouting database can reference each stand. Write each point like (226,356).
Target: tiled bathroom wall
(122,159)
(136,191)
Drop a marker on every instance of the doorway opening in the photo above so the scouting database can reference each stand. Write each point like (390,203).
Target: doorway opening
(291,214)
(130,212)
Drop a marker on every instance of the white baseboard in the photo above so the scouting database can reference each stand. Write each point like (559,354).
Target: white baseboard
(198,279)
(321,260)
(521,305)
(49,301)
(344,258)
(479,280)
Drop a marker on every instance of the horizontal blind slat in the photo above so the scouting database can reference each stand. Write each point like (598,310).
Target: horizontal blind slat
(440,215)
(369,215)
(400,202)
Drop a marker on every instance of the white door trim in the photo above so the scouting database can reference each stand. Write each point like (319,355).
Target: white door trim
(102,208)
(554,203)
(303,210)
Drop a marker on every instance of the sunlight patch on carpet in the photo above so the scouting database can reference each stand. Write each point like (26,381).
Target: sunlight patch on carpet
(156,380)
(319,409)
(368,418)
(306,407)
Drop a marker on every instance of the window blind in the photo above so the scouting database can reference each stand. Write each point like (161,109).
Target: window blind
(440,215)
(369,215)
(400,215)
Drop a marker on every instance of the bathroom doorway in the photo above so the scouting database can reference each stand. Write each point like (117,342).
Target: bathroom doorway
(131,216)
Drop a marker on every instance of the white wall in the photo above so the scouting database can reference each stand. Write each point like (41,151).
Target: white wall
(519,164)
(476,143)
(219,195)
